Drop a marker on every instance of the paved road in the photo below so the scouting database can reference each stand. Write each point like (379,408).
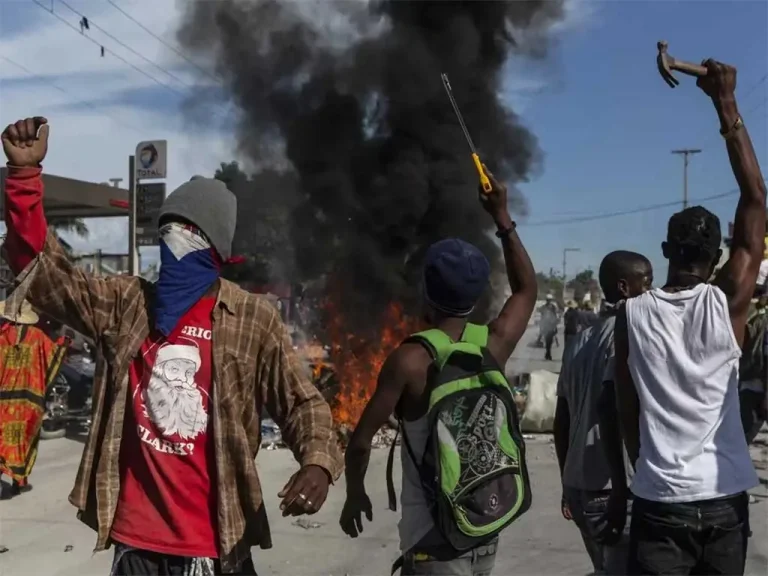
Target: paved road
(40,527)
(527,357)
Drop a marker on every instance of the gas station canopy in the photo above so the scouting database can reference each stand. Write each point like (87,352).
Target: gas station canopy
(69,198)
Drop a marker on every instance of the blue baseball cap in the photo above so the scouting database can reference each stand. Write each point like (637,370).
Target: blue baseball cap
(455,275)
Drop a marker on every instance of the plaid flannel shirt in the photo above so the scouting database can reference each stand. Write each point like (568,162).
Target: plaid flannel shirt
(254,366)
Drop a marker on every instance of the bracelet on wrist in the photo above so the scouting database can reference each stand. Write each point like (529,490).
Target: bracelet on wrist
(730,132)
(507,230)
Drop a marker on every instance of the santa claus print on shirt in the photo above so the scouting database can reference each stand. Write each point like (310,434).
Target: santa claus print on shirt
(172,400)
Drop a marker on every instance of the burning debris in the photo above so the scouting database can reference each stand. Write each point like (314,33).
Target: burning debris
(359,359)
(342,106)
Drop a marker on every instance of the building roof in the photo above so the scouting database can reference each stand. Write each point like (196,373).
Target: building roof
(70,198)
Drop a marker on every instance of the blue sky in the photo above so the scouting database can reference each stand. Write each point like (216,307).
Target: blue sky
(608,124)
(604,118)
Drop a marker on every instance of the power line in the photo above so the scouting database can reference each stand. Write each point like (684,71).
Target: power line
(638,210)
(757,84)
(64,91)
(747,94)
(168,45)
(112,52)
(124,45)
(89,22)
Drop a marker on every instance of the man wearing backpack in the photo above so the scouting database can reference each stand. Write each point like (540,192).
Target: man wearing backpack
(457,414)
(580,434)
(753,370)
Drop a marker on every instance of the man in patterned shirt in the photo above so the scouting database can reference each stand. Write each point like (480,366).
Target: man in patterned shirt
(183,370)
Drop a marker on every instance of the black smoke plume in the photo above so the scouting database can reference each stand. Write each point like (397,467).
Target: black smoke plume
(350,94)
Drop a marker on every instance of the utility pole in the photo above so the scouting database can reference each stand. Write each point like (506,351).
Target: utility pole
(565,261)
(133,252)
(686,152)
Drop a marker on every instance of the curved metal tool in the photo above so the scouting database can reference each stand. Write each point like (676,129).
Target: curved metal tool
(667,64)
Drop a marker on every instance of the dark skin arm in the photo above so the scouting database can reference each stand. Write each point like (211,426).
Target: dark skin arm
(506,330)
(610,434)
(738,276)
(627,402)
(562,431)
(394,377)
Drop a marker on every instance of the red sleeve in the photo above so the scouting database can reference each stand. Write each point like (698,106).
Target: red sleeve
(24,217)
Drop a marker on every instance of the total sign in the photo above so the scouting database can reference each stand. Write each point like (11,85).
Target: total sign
(151,159)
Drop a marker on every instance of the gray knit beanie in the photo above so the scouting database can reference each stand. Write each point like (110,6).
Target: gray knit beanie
(209,205)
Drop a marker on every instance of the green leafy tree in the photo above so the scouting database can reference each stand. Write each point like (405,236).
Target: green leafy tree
(549,284)
(74,225)
(583,283)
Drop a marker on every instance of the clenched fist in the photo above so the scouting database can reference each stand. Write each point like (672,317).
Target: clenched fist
(25,142)
(719,82)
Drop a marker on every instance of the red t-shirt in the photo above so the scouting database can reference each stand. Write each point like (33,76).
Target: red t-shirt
(167,498)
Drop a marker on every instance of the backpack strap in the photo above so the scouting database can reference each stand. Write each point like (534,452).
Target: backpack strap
(440,345)
(434,340)
(391,494)
(475,334)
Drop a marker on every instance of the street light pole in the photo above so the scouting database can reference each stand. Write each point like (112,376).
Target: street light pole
(565,262)
(686,152)
(133,252)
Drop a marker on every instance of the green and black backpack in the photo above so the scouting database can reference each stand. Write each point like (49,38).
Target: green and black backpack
(473,471)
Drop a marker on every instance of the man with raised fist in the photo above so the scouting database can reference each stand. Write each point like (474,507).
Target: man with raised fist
(183,369)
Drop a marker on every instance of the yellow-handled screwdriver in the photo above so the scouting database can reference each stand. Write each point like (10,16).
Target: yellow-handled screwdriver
(484,181)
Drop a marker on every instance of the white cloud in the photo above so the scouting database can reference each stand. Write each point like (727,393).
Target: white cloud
(526,78)
(99,108)
(578,15)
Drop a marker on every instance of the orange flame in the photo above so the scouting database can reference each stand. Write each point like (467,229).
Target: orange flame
(317,368)
(357,362)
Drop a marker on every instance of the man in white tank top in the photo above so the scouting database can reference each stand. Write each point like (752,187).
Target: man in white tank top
(677,357)
(456,274)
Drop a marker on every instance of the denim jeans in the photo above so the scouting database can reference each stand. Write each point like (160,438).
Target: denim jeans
(704,537)
(587,509)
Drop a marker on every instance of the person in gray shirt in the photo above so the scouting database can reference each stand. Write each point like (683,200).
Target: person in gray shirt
(584,460)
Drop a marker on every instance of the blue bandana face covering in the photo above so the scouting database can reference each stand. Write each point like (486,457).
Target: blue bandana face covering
(188,268)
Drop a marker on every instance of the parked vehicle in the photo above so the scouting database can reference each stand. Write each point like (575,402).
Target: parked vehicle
(68,399)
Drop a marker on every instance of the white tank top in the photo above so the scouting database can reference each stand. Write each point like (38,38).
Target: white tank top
(416,520)
(684,360)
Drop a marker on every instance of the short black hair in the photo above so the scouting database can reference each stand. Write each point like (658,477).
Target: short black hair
(618,265)
(693,237)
